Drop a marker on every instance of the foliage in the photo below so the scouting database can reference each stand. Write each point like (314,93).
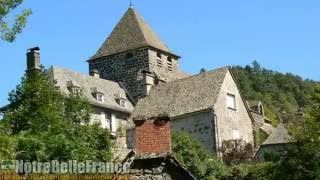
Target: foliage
(262,136)
(196,159)
(236,151)
(278,92)
(303,161)
(8,32)
(47,125)
(7,147)
(203,70)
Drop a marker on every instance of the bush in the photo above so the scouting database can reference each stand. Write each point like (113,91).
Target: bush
(196,159)
(236,151)
(47,125)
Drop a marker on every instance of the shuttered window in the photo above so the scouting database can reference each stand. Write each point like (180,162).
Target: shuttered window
(231,101)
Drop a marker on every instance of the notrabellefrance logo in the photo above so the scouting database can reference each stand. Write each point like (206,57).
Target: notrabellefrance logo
(7,164)
(69,167)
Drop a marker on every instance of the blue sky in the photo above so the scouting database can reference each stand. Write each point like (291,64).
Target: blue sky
(281,35)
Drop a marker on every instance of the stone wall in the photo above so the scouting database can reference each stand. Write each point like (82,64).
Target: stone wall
(158,169)
(165,66)
(230,120)
(198,125)
(126,67)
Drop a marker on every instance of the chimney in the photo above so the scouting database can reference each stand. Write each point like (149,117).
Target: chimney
(95,73)
(148,82)
(33,59)
(153,136)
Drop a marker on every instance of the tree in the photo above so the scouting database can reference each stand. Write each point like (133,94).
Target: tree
(303,161)
(256,66)
(277,91)
(195,158)
(203,70)
(8,32)
(43,124)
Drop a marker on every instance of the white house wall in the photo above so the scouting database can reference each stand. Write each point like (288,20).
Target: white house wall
(232,122)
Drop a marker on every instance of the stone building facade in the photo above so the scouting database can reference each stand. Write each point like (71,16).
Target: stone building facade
(131,49)
(208,106)
(135,75)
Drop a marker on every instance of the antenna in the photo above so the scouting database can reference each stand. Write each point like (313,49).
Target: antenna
(131,3)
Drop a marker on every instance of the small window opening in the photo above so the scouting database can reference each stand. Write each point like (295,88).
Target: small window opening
(100,97)
(231,101)
(129,55)
(169,63)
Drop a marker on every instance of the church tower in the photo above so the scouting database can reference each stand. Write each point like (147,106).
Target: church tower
(134,56)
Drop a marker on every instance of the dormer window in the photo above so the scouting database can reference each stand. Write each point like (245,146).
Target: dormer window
(76,90)
(73,88)
(100,97)
(97,94)
(121,100)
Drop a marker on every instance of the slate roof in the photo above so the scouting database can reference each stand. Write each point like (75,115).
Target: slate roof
(267,128)
(110,89)
(130,33)
(156,164)
(279,135)
(192,94)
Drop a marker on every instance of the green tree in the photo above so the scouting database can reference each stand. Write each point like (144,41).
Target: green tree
(43,124)
(196,159)
(34,105)
(8,31)
(303,161)
(278,92)
(203,70)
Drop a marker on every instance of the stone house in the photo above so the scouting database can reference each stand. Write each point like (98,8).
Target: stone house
(135,75)
(208,106)
(132,49)
(261,123)
(110,105)
(277,143)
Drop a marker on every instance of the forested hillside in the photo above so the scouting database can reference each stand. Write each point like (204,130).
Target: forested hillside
(277,91)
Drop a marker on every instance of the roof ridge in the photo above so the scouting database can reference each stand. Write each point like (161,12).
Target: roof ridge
(199,74)
(84,75)
(136,17)
(131,32)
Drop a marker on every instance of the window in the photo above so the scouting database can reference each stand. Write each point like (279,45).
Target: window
(105,120)
(236,134)
(231,101)
(122,102)
(129,55)
(76,90)
(169,63)
(159,55)
(100,97)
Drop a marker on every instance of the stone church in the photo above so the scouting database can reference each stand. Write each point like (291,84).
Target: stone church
(135,77)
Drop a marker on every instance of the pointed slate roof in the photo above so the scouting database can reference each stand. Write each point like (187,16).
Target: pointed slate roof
(192,94)
(130,33)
